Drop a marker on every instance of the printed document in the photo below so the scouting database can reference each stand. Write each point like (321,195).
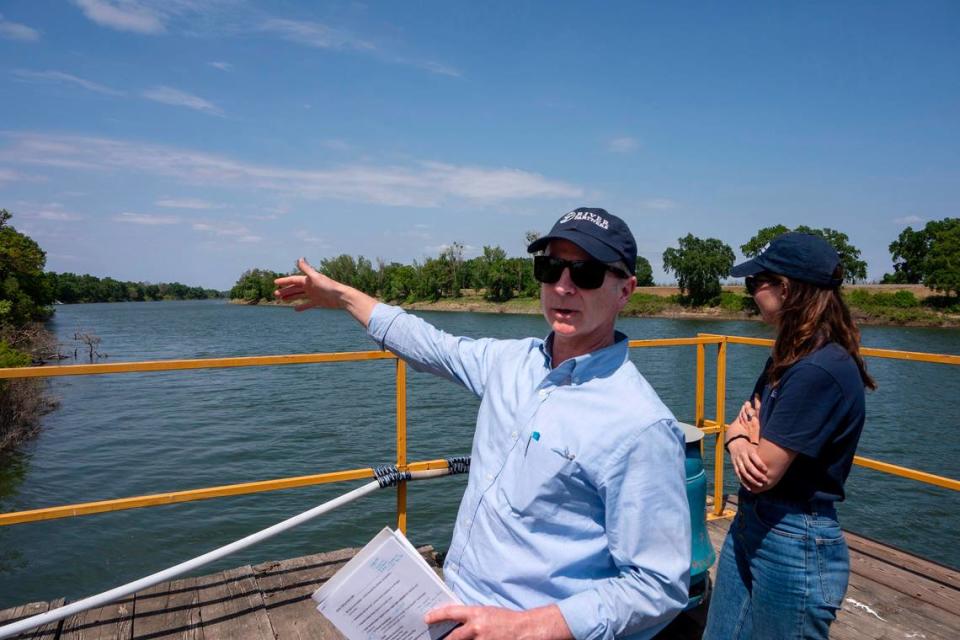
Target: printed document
(384,592)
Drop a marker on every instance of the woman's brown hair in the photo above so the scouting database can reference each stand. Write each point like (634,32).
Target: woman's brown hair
(810,317)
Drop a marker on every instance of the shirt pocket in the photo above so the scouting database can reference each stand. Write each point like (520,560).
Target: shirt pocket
(540,480)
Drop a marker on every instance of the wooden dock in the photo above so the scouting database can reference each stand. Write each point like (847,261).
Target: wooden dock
(892,594)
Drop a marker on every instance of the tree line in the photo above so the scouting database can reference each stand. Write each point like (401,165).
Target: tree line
(930,256)
(493,274)
(69,288)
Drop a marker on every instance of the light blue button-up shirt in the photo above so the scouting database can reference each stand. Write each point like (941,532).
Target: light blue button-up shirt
(576,494)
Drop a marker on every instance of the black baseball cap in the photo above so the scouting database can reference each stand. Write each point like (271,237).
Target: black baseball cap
(603,235)
(800,256)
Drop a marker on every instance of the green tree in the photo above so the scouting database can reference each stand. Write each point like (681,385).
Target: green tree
(496,277)
(912,248)
(253,286)
(644,272)
(342,268)
(854,268)
(756,244)
(941,268)
(699,265)
(25,290)
(399,282)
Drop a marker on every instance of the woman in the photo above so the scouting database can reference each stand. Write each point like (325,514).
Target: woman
(784,566)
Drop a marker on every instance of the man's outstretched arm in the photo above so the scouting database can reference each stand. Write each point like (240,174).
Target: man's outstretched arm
(317,290)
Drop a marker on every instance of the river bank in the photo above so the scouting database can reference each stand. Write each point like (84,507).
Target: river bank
(870,304)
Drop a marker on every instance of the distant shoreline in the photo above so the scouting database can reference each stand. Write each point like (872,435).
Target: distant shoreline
(529,306)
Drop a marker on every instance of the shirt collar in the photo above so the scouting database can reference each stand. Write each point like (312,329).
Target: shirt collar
(591,365)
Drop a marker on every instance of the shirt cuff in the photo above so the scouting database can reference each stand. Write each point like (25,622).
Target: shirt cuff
(583,613)
(381,318)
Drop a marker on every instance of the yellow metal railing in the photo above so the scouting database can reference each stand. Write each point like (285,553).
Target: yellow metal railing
(716,426)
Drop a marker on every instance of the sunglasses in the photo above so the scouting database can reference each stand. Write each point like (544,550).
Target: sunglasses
(753,283)
(586,274)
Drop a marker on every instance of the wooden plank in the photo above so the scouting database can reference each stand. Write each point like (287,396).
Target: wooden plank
(231,606)
(46,632)
(886,613)
(907,602)
(895,605)
(168,610)
(287,586)
(918,587)
(114,620)
(914,564)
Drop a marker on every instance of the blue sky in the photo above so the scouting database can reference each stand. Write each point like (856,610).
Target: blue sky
(187,140)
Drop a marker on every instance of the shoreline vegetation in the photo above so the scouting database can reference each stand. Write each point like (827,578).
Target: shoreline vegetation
(870,304)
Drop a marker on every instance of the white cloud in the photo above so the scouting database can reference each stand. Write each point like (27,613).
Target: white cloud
(16,31)
(660,204)
(306,237)
(314,34)
(429,65)
(227,229)
(321,36)
(423,184)
(145,218)
(50,211)
(908,220)
(624,144)
(124,15)
(177,98)
(65,78)
(469,251)
(222,66)
(188,203)
(8,175)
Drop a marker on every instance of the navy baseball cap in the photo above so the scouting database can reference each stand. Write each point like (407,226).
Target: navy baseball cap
(800,256)
(603,235)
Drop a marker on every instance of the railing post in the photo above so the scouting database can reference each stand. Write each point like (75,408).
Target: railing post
(701,385)
(401,443)
(721,423)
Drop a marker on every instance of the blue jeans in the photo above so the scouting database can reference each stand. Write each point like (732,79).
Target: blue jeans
(783,572)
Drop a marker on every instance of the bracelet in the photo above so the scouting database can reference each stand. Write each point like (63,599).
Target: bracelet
(726,445)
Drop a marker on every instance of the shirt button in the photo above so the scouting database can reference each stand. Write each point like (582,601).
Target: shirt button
(453,567)
(514,435)
(489,477)
(543,393)
(469,522)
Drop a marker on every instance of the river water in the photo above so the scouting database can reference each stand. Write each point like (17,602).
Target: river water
(132,434)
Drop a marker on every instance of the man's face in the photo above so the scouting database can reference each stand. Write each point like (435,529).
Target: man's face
(582,317)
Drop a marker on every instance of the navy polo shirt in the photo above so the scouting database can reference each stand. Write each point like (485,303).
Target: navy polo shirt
(817,410)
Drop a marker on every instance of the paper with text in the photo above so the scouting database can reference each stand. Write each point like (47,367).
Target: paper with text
(383,593)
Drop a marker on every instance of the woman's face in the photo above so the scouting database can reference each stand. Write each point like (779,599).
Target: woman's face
(769,293)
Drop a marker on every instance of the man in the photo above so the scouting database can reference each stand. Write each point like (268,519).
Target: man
(574,523)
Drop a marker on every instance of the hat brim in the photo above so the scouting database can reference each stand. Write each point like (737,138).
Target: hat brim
(748,268)
(598,250)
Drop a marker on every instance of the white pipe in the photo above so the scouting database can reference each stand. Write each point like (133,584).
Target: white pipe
(106,597)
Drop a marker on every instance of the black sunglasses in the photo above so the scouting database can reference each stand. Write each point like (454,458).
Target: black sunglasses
(586,274)
(752,283)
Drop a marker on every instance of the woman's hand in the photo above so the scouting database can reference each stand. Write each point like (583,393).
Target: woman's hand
(750,469)
(744,452)
(749,417)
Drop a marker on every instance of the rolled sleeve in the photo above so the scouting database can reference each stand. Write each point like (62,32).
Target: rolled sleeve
(648,528)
